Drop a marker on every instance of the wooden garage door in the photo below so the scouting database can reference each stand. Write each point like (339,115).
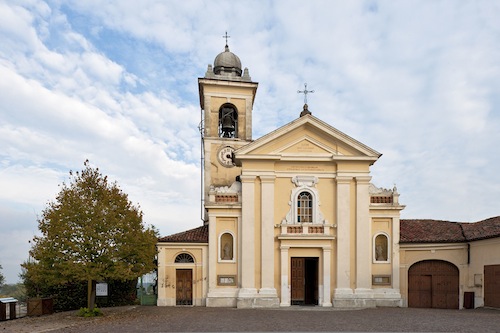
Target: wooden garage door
(433,284)
(492,286)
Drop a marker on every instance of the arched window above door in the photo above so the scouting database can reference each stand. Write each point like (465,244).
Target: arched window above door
(184,258)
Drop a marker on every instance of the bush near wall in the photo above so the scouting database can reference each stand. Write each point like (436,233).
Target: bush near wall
(73,295)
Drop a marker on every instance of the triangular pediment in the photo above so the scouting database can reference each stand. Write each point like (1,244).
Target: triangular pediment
(310,138)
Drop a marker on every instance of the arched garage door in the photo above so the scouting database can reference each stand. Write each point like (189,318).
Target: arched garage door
(433,284)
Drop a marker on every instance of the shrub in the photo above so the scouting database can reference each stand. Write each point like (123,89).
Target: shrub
(85,312)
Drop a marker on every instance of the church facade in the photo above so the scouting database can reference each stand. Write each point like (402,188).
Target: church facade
(292,218)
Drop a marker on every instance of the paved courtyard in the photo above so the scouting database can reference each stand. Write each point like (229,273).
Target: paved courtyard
(295,319)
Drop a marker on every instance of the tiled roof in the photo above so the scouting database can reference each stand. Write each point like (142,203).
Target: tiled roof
(434,231)
(196,235)
(488,228)
(430,231)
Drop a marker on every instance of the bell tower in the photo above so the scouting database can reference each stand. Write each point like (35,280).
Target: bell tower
(226,95)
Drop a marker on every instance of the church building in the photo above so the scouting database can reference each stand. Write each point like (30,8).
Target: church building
(293,218)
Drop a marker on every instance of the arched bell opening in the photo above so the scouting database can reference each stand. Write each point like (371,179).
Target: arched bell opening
(228,121)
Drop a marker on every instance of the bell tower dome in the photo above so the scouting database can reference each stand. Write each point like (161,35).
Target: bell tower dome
(227,62)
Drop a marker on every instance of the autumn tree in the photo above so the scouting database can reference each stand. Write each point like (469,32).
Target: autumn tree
(91,232)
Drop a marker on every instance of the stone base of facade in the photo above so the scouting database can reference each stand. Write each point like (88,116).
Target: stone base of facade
(221,302)
(366,298)
(165,302)
(249,298)
(172,302)
(222,298)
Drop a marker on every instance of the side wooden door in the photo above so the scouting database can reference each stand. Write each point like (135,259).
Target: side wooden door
(184,287)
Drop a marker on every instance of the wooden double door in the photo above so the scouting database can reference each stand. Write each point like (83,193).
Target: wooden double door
(433,284)
(492,286)
(304,281)
(184,287)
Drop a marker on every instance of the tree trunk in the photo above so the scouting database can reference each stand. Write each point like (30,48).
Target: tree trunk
(91,294)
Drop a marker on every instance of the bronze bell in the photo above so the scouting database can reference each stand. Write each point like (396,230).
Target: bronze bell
(227,126)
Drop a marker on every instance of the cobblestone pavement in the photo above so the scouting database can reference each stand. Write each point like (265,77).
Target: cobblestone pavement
(295,319)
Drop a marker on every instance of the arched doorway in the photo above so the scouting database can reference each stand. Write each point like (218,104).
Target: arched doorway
(184,280)
(433,284)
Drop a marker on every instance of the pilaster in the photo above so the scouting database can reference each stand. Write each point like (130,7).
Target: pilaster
(285,286)
(248,129)
(208,116)
(395,254)
(248,232)
(212,252)
(343,235)
(247,290)
(363,235)
(267,235)
(327,259)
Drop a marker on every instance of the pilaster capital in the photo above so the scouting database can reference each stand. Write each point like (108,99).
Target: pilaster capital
(247,178)
(363,180)
(343,179)
(267,178)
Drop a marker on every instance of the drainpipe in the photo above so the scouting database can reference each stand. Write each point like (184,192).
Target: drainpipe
(468,253)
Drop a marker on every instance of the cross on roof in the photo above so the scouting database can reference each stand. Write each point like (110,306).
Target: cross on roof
(226,37)
(305,92)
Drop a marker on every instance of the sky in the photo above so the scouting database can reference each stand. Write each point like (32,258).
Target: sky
(115,82)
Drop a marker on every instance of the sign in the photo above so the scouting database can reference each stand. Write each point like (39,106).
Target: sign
(226,280)
(101,289)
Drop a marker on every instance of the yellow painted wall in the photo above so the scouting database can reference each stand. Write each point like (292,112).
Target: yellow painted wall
(219,174)
(384,225)
(328,189)
(482,253)
(283,187)
(229,225)
(167,272)
(318,168)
